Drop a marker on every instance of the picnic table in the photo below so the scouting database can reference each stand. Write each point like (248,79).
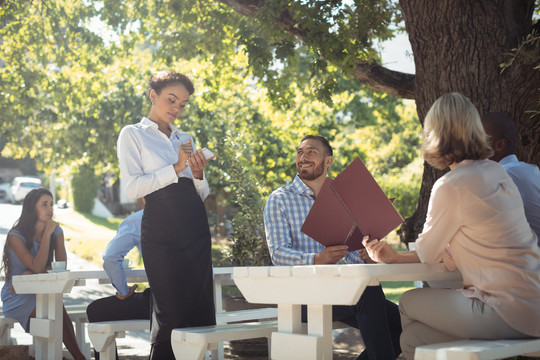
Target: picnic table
(319,287)
(46,327)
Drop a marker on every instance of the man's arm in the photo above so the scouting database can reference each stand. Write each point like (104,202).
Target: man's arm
(127,237)
(278,229)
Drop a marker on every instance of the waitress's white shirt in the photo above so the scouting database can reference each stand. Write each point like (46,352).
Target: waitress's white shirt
(147,157)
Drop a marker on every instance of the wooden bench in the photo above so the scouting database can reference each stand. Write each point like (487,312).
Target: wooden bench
(192,343)
(6,324)
(77,314)
(103,334)
(478,349)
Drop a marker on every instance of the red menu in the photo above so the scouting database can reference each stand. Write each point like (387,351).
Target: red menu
(349,207)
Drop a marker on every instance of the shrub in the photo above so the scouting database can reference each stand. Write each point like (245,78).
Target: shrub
(248,246)
(84,186)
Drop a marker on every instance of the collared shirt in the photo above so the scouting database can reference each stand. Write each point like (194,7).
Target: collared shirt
(476,223)
(147,157)
(127,237)
(527,178)
(284,214)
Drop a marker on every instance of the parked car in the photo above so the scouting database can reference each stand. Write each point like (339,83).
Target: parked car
(5,191)
(21,186)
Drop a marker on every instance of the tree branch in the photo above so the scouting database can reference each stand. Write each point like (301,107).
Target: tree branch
(377,77)
(370,74)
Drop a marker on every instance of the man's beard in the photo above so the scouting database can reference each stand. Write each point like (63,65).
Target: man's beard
(318,170)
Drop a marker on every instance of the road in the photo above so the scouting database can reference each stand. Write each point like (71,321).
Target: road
(135,343)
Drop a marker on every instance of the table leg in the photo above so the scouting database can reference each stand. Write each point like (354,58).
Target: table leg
(47,327)
(289,318)
(218,300)
(320,324)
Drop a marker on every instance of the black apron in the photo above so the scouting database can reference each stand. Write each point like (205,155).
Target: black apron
(176,250)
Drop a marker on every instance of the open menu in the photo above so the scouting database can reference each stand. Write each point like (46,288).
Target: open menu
(350,207)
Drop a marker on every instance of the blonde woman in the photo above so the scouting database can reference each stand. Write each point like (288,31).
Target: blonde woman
(475,223)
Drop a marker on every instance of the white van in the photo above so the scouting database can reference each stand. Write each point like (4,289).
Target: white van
(21,186)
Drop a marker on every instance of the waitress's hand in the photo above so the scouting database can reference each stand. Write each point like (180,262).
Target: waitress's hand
(188,147)
(197,162)
(181,164)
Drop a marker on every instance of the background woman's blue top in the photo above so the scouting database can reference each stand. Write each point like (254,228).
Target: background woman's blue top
(20,306)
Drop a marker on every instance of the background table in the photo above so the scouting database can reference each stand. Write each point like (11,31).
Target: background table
(49,288)
(46,327)
(319,287)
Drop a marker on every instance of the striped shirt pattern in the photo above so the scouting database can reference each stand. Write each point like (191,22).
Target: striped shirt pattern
(284,213)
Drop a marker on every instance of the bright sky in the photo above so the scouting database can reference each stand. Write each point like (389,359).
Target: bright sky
(397,54)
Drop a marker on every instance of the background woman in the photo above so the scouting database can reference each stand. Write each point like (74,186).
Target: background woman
(475,223)
(160,162)
(29,249)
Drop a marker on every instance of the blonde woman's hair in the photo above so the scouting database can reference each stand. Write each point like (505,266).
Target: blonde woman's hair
(453,132)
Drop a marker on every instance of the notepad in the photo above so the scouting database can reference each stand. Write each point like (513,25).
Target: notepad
(350,207)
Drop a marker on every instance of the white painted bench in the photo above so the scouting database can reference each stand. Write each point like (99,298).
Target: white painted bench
(6,324)
(77,314)
(478,349)
(103,334)
(246,315)
(192,343)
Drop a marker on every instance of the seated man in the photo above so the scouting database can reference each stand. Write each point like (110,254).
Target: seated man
(126,304)
(285,211)
(503,139)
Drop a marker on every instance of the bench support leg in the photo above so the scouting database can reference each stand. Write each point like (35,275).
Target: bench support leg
(105,344)
(189,350)
(109,353)
(80,334)
(5,334)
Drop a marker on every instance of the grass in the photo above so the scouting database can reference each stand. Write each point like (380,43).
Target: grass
(86,235)
(394,289)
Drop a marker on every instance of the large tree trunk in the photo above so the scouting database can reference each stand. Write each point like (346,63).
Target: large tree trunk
(458,46)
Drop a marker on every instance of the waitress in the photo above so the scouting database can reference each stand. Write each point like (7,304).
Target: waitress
(161,163)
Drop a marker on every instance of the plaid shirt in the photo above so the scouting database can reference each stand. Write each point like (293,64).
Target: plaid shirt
(284,213)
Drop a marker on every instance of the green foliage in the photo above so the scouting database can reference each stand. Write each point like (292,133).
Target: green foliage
(68,87)
(85,185)
(389,145)
(248,246)
(404,186)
